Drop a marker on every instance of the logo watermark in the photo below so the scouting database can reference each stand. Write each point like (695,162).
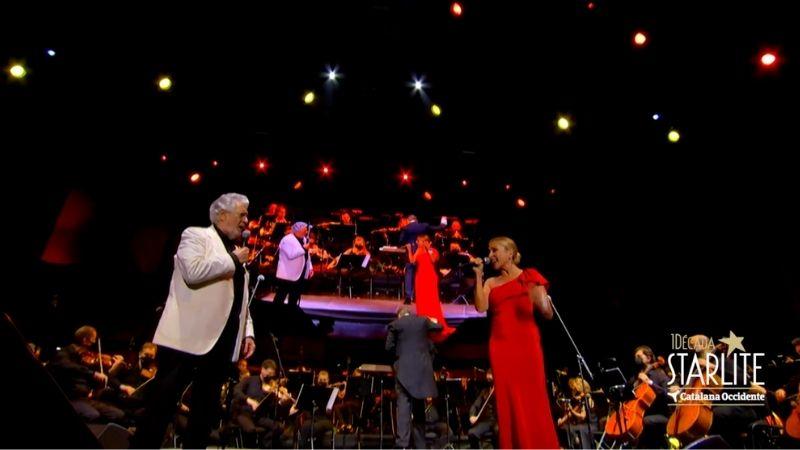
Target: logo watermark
(704,372)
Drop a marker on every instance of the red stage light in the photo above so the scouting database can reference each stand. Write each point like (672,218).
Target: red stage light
(194,178)
(456,9)
(163,158)
(214,163)
(768,59)
(508,187)
(640,39)
(427,196)
(464,183)
(298,185)
(521,203)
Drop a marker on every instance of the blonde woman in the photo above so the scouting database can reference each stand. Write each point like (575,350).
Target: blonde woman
(523,407)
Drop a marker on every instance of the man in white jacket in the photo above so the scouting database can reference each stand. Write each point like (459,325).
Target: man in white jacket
(205,326)
(294,264)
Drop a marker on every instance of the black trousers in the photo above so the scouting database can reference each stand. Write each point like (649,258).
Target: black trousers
(410,414)
(272,428)
(176,370)
(481,430)
(93,410)
(291,288)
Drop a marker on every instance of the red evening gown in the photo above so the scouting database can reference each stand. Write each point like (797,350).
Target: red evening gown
(426,293)
(523,407)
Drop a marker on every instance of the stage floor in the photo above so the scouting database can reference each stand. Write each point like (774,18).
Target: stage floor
(367,318)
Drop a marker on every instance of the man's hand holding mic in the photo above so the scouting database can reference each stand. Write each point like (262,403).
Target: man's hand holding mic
(242,254)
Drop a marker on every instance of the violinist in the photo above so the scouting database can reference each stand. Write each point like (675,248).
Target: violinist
(243,368)
(257,399)
(574,419)
(657,415)
(79,370)
(322,424)
(482,418)
(144,369)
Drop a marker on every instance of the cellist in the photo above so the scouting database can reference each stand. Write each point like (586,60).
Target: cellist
(657,415)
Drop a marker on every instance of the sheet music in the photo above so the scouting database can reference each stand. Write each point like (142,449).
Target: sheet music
(332,400)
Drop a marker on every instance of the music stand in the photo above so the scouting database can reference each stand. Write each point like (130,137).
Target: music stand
(351,263)
(616,387)
(312,398)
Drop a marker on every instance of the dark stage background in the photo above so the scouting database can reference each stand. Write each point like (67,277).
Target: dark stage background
(640,238)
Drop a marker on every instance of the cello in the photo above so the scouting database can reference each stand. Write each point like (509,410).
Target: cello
(692,420)
(626,423)
(792,427)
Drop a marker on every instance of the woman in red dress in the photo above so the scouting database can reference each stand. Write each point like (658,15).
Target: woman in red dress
(523,408)
(426,285)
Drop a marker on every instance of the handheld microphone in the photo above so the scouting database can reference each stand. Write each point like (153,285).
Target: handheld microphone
(486,261)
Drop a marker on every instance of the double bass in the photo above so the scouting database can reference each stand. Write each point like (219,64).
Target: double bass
(627,422)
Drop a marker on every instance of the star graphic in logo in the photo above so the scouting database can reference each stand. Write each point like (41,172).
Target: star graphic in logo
(734,342)
(674,396)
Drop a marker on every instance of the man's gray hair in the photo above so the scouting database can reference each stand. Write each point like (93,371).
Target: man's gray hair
(226,202)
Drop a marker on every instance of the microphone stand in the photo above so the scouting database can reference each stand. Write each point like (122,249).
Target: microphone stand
(581,366)
(247,310)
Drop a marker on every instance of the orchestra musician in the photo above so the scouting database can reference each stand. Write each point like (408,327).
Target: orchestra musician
(575,417)
(657,415)
(482,416)
(78,370)
(322,425)
(256,402)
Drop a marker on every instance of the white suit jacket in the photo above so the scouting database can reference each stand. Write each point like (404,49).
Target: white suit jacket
(201,296)
(291,259)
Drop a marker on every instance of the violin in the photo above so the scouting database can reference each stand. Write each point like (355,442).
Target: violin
(94,359)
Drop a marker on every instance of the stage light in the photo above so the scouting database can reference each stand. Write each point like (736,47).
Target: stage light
(656,116)
(591,6)
(673,136)
(164,158)
(521,202)
(563,123)
(214,163)
(165,83)
(464,183)
(297,186)
(405,177)
(552,191)
(436,110)
(508,187)
(195,178)
(51,52)
(262,165)
(768,59)
(418,84)
(427,196)
(640,39)
(17,71)
(332,75)
(456,9)
(325,170)
(309,97)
